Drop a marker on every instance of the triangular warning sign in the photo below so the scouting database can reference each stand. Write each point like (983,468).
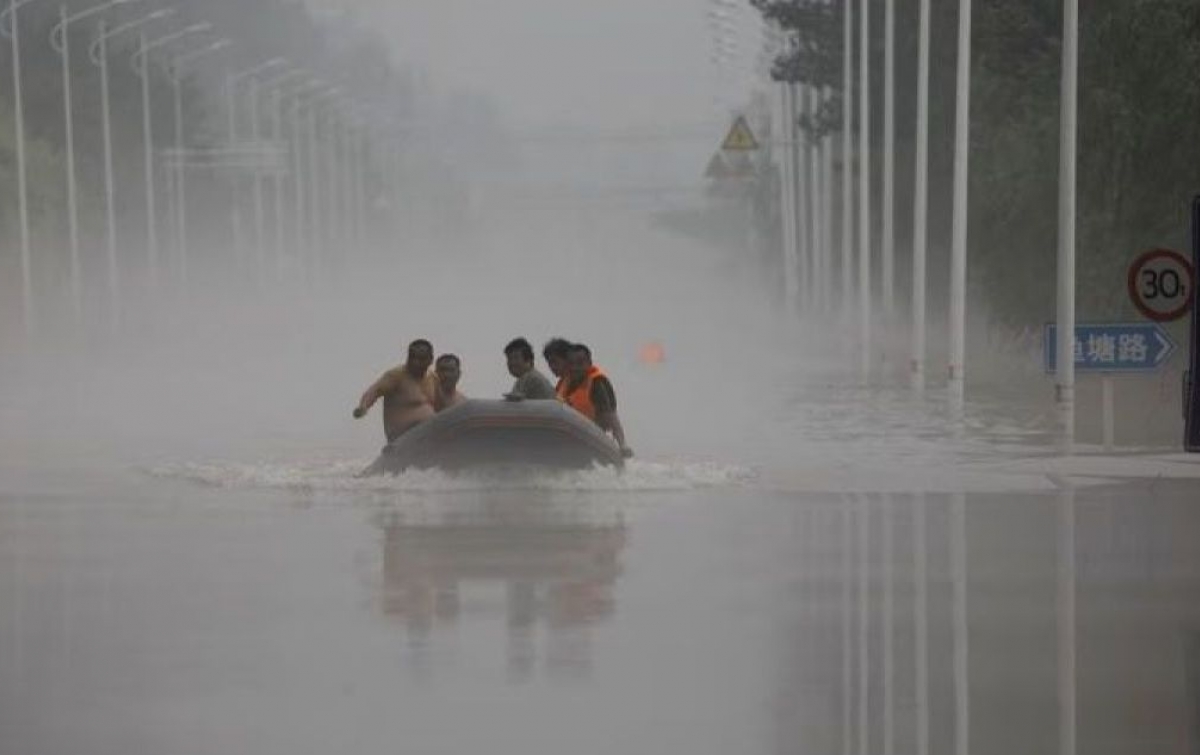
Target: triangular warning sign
(740,166)
(740,137)
(717,167)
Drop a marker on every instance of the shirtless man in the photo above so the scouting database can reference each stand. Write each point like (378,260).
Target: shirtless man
(446,394)
(407,392)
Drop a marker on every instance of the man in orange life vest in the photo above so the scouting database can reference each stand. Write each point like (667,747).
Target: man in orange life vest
(586,389)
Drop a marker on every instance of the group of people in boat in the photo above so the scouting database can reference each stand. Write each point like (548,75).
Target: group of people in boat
(413,393)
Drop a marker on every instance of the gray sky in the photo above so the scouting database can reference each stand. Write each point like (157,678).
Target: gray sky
(579,62)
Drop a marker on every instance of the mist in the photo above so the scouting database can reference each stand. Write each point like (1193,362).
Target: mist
(809,549)
(525,206)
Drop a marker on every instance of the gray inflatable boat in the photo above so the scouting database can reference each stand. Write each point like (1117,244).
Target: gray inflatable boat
(494,432)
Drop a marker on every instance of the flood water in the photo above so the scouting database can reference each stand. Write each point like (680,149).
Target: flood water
(188,564)
(161,616)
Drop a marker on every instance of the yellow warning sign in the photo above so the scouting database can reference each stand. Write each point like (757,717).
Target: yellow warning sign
(740,137)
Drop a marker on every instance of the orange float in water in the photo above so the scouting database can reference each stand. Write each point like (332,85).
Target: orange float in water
(652,353)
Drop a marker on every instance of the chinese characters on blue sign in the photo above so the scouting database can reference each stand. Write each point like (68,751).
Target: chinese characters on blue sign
(1121,347)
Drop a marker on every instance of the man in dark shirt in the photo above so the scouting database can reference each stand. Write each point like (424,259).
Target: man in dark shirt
(589,391)
(530,384)
(555,351)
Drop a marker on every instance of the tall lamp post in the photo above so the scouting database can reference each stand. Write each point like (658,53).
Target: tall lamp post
(140,64)
(920,222)
(317,236)
(1065,302)
(98,53)
(848,163)
(864,191)
(60,40)
(299,161)
(12,31)
(177,65)
(276,86)
(958,248)
(232,80)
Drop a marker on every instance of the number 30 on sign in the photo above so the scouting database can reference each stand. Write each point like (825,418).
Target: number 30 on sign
(1161,285)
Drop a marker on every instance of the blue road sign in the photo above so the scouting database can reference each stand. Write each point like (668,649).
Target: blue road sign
(1114,347)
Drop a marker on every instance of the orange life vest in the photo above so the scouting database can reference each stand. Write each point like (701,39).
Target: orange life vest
(579,398)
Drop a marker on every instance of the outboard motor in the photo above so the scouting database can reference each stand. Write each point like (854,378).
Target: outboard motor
(1191,378)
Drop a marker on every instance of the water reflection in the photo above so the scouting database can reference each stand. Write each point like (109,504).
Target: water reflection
(540,570)
(1063,621)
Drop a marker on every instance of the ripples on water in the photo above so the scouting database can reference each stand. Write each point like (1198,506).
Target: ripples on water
(340,476)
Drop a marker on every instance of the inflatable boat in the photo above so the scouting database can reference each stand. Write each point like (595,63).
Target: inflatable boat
(497,432)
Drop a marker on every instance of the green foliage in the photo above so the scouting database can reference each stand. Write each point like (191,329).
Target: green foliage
(44,168)
(1138,137)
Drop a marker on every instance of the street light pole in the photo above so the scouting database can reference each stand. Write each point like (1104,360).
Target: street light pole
(920,204)
(177,175)
(958,250)
(360,189)
(347,172)
(60,40)
(180,172)
(888,268)
(848,163)
(318,198)
(298,214)
(864,193)
(275,86)
(99,57)
(109,206)
(232,79)
(827,208)
(277,137)
(141,66)
(331,172)
(813,148)
(800,177)
(303,239)
(235,216)
(148,144)
(788,198)
(316,232)
(72,202)
(27,309)
(1065,372)
(259,222)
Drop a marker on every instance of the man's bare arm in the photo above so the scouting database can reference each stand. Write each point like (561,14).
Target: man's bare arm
(384,384)
(611,421)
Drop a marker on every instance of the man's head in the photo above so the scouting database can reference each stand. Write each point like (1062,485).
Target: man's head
(449,370)
(420,356)
(579,361)
(555,351)
(520,357)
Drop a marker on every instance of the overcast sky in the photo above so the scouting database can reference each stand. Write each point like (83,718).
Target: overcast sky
(607,63)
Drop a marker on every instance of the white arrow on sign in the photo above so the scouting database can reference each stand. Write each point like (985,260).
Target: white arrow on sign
(1167,347)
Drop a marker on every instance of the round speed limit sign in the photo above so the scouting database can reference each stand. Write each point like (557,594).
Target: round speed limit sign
(1161,285)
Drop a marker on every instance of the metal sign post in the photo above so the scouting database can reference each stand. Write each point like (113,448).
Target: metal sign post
(1110,349)
(1191,378)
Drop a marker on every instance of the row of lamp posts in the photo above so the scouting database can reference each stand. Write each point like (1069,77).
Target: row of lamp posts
(344,205)
(792,106)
